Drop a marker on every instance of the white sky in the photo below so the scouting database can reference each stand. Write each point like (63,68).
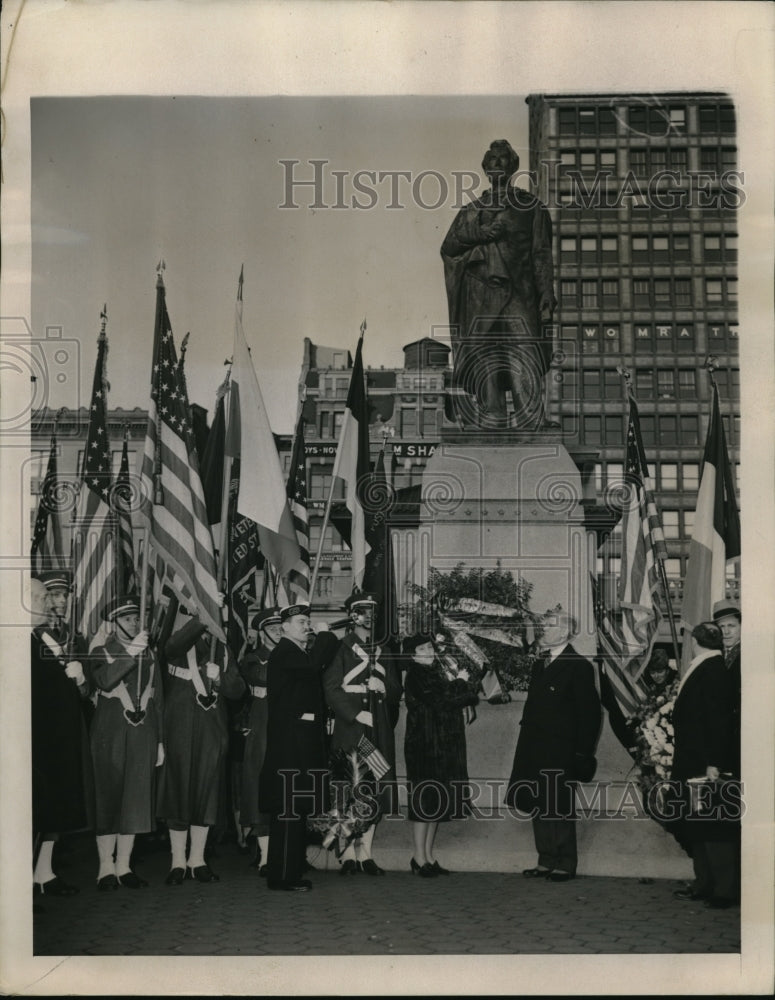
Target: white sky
(118,183)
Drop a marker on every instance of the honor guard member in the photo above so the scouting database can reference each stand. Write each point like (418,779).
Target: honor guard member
(292,784)
(57,686)
(363,689)
(197,727)
(726,614)
(253,667)
(126,741)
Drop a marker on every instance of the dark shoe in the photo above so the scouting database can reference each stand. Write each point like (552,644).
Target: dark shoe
(107,883)
(203,873)
(131,881)
(720,903)
(371,867)
(54,887)
(424,871)
(438,869)
(688,895)
(302,885)
(536,872)
(175,876)
(560,876)
(349,868)
(262,871)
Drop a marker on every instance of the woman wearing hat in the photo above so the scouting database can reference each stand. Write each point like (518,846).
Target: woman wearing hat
(126,742)
(253,667)
(434,747)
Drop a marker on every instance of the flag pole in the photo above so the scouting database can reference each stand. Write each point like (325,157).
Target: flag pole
(327,514)
(627,376)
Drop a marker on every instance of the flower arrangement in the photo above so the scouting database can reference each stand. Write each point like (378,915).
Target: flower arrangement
(350,814)
(654,738)
(486,617)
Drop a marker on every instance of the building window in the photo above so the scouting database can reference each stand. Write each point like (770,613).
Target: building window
(588,250)
(338,419)
(687,383)
(568,158)
(666,383)
(641,292)
(606,121)
(648,430)
(319,485)
(610,249)
(717,118)
(689,430)
(589,295)
(591,342)
(728,382)
(711,246)
(644,383)
(638,162)
(588,162)
(611,340)
(325,424)
(429,428)
(608,160)
(568,293)
(688,523)
(640,253)
(610,293)
(683,293)
(408,421)
(661,249)
(690,473)
(670,523)
(662,292)
(592,430)
(644,339)
(591,383)
(678,160)
(668,476)
(677,115)
(614,430)
(614,474)
(568,247)
(668,430)
(567,121)
(684,340)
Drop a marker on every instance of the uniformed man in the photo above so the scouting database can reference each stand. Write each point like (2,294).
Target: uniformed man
(126,741)
(363,689)
(292,784)
(57,686)
(726,614)
(253,667)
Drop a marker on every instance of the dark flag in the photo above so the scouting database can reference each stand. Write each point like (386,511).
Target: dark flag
(299,576)
(379,577)
(123,503)
(47,551)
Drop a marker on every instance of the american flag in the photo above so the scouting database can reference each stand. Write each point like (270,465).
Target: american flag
(626,646)
(47,551)
(628,691)
(123,503)
(373,758)
(94,532)
(299,576)
(173,505)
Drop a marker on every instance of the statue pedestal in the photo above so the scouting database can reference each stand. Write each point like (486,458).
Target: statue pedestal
(517,504)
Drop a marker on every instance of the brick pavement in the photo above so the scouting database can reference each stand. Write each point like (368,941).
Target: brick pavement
(465,913)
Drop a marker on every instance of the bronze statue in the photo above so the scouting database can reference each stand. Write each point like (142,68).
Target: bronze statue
(498,272)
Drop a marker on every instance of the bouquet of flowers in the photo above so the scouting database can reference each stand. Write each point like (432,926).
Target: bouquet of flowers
(654,744)
(351,812)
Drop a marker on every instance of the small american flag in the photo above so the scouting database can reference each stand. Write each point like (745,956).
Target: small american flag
(94,534)
(372,757)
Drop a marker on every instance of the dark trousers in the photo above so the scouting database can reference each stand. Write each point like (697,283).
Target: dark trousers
(716,868)
(555,841)
(287,849)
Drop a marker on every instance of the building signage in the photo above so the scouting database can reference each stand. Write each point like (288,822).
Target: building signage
(318,450)
(414,449)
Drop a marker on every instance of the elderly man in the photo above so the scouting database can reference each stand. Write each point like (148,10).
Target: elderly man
(726,614)
(292,783)
(702,724)
(363,689)
(559,731)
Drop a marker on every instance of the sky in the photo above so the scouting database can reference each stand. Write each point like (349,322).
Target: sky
(119,183)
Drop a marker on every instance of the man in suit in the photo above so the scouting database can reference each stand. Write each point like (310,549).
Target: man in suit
(702,724)
(556,745)
(292,784)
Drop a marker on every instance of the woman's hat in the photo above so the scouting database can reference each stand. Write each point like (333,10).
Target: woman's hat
(413,641)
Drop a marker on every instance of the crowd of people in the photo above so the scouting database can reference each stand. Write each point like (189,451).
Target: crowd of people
(139,730)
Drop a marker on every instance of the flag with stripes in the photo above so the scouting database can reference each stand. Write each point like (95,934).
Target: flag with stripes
(614,657)
(352,463)
(716,534)
(94,531)
(373,758)
(124,498)
(261,492)
(643,547)
(299,576)
(47,551)
(173,507)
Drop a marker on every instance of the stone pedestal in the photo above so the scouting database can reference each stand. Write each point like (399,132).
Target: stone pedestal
(485,502)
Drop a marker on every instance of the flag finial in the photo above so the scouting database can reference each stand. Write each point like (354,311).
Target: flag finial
(240,282)
(363,326)
(160,267)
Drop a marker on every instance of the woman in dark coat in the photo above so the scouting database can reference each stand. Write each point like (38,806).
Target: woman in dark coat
(434,747)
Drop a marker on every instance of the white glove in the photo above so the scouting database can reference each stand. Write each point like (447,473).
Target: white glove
(221,599)
(463,675)
(160,755)
(365,719)
(376,684)
(213,671)
(139,644)
(74,671)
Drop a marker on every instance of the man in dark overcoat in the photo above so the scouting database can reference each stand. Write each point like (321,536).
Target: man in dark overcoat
(363,689)
(559,730)
(292,784)
(703,726)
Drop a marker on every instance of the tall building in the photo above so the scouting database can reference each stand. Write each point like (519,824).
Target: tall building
(643,191)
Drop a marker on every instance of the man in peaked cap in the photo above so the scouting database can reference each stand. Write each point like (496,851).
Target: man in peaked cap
(267,632)
(291,786)
(363,689)
(126,741)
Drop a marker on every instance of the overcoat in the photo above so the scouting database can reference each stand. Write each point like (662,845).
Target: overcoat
(253,667)
(125,733)
(196,737)
(296,728)
(59,776)
(560,724)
